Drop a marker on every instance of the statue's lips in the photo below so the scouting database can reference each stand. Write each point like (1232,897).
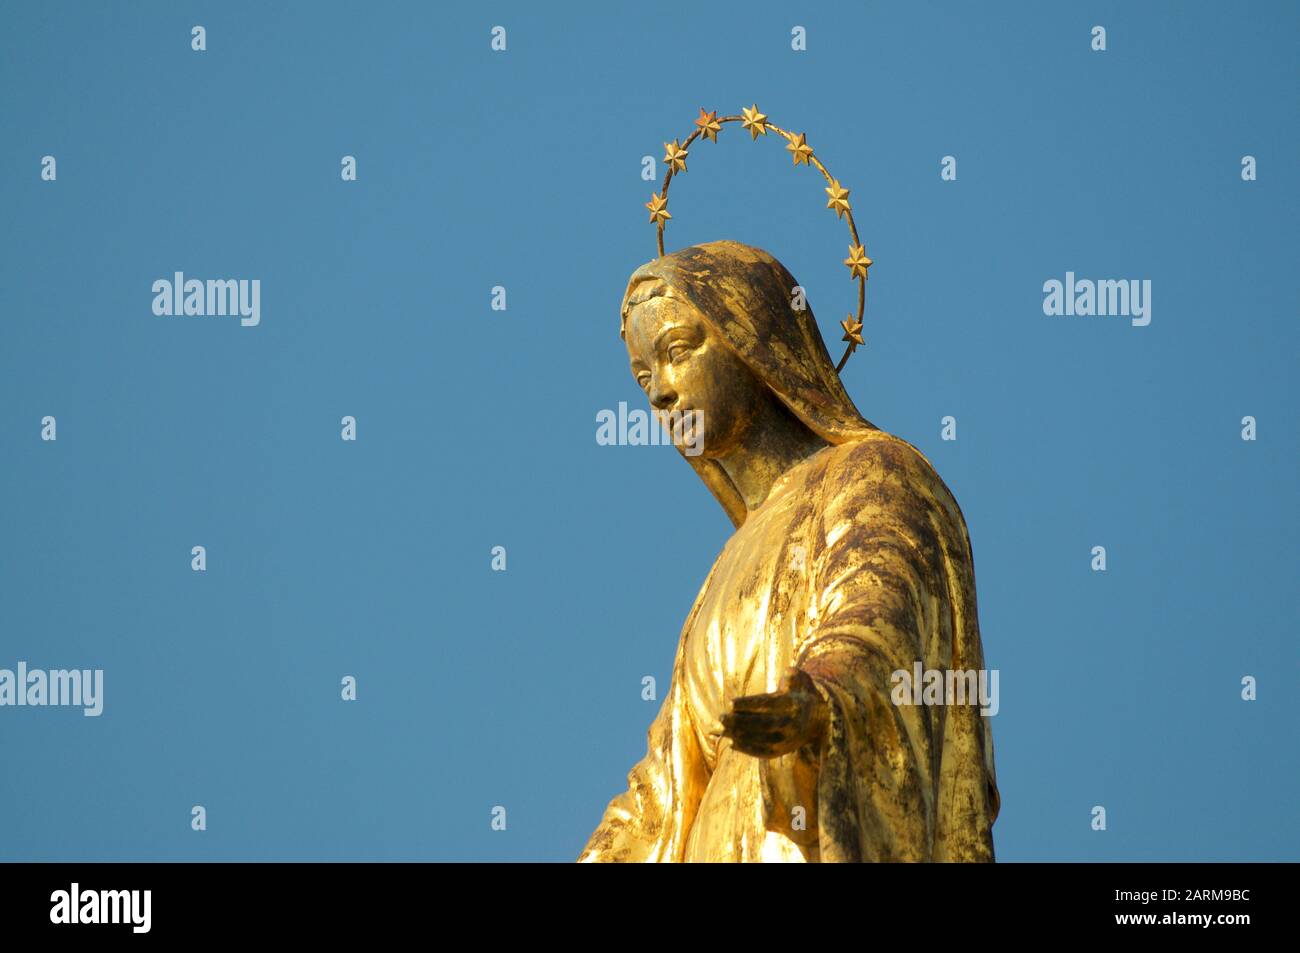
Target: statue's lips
(679,421)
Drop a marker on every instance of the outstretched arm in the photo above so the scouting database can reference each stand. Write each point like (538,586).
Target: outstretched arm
(890,555)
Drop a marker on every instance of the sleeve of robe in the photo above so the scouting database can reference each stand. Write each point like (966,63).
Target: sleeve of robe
(650,821)
(893,584)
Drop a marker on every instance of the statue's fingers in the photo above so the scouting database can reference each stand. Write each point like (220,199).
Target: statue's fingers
(748,724)
(750,746)
(780,734)
(776,728)
(750,702)
(763,745)
(752,721)
(780,708)
(775,702)
(740,720)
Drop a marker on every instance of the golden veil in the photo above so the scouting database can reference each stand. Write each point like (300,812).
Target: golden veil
(746,295)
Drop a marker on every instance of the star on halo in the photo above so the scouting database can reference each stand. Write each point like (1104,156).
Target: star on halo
(754,121)
(675,156)
(709,125)
(852,332)
(839,200)
(799,146)
(858,261)
(658,206)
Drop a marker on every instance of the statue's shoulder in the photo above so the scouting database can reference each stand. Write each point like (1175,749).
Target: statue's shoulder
(880,468)
(880,456)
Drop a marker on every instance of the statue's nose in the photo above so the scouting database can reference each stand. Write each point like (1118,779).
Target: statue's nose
(661,398)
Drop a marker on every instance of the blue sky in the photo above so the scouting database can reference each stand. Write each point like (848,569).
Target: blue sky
(476,427)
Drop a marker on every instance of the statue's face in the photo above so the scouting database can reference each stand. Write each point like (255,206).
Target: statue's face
(690,375)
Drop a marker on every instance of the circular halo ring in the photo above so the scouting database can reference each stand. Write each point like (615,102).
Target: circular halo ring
(708,125)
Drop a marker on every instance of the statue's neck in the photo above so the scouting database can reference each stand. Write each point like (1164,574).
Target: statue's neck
(775,442)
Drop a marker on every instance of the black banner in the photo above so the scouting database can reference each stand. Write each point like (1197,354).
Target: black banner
(136,902)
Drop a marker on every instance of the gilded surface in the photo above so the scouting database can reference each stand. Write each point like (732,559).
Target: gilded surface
(778,739)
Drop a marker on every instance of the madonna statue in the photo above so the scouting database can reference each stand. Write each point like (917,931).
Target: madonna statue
(778,739)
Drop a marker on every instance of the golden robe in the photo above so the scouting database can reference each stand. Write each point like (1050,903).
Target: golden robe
(855,566)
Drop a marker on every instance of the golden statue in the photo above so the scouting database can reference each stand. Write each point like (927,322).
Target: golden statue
(779,738)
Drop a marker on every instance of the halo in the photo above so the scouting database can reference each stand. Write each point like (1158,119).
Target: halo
(709,125)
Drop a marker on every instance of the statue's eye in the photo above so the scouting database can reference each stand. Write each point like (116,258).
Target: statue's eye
(643,379)
(676,351)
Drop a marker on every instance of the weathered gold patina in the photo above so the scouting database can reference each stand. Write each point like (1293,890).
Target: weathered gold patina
(778,739)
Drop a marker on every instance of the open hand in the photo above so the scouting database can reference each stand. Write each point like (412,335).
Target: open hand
(770,725)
